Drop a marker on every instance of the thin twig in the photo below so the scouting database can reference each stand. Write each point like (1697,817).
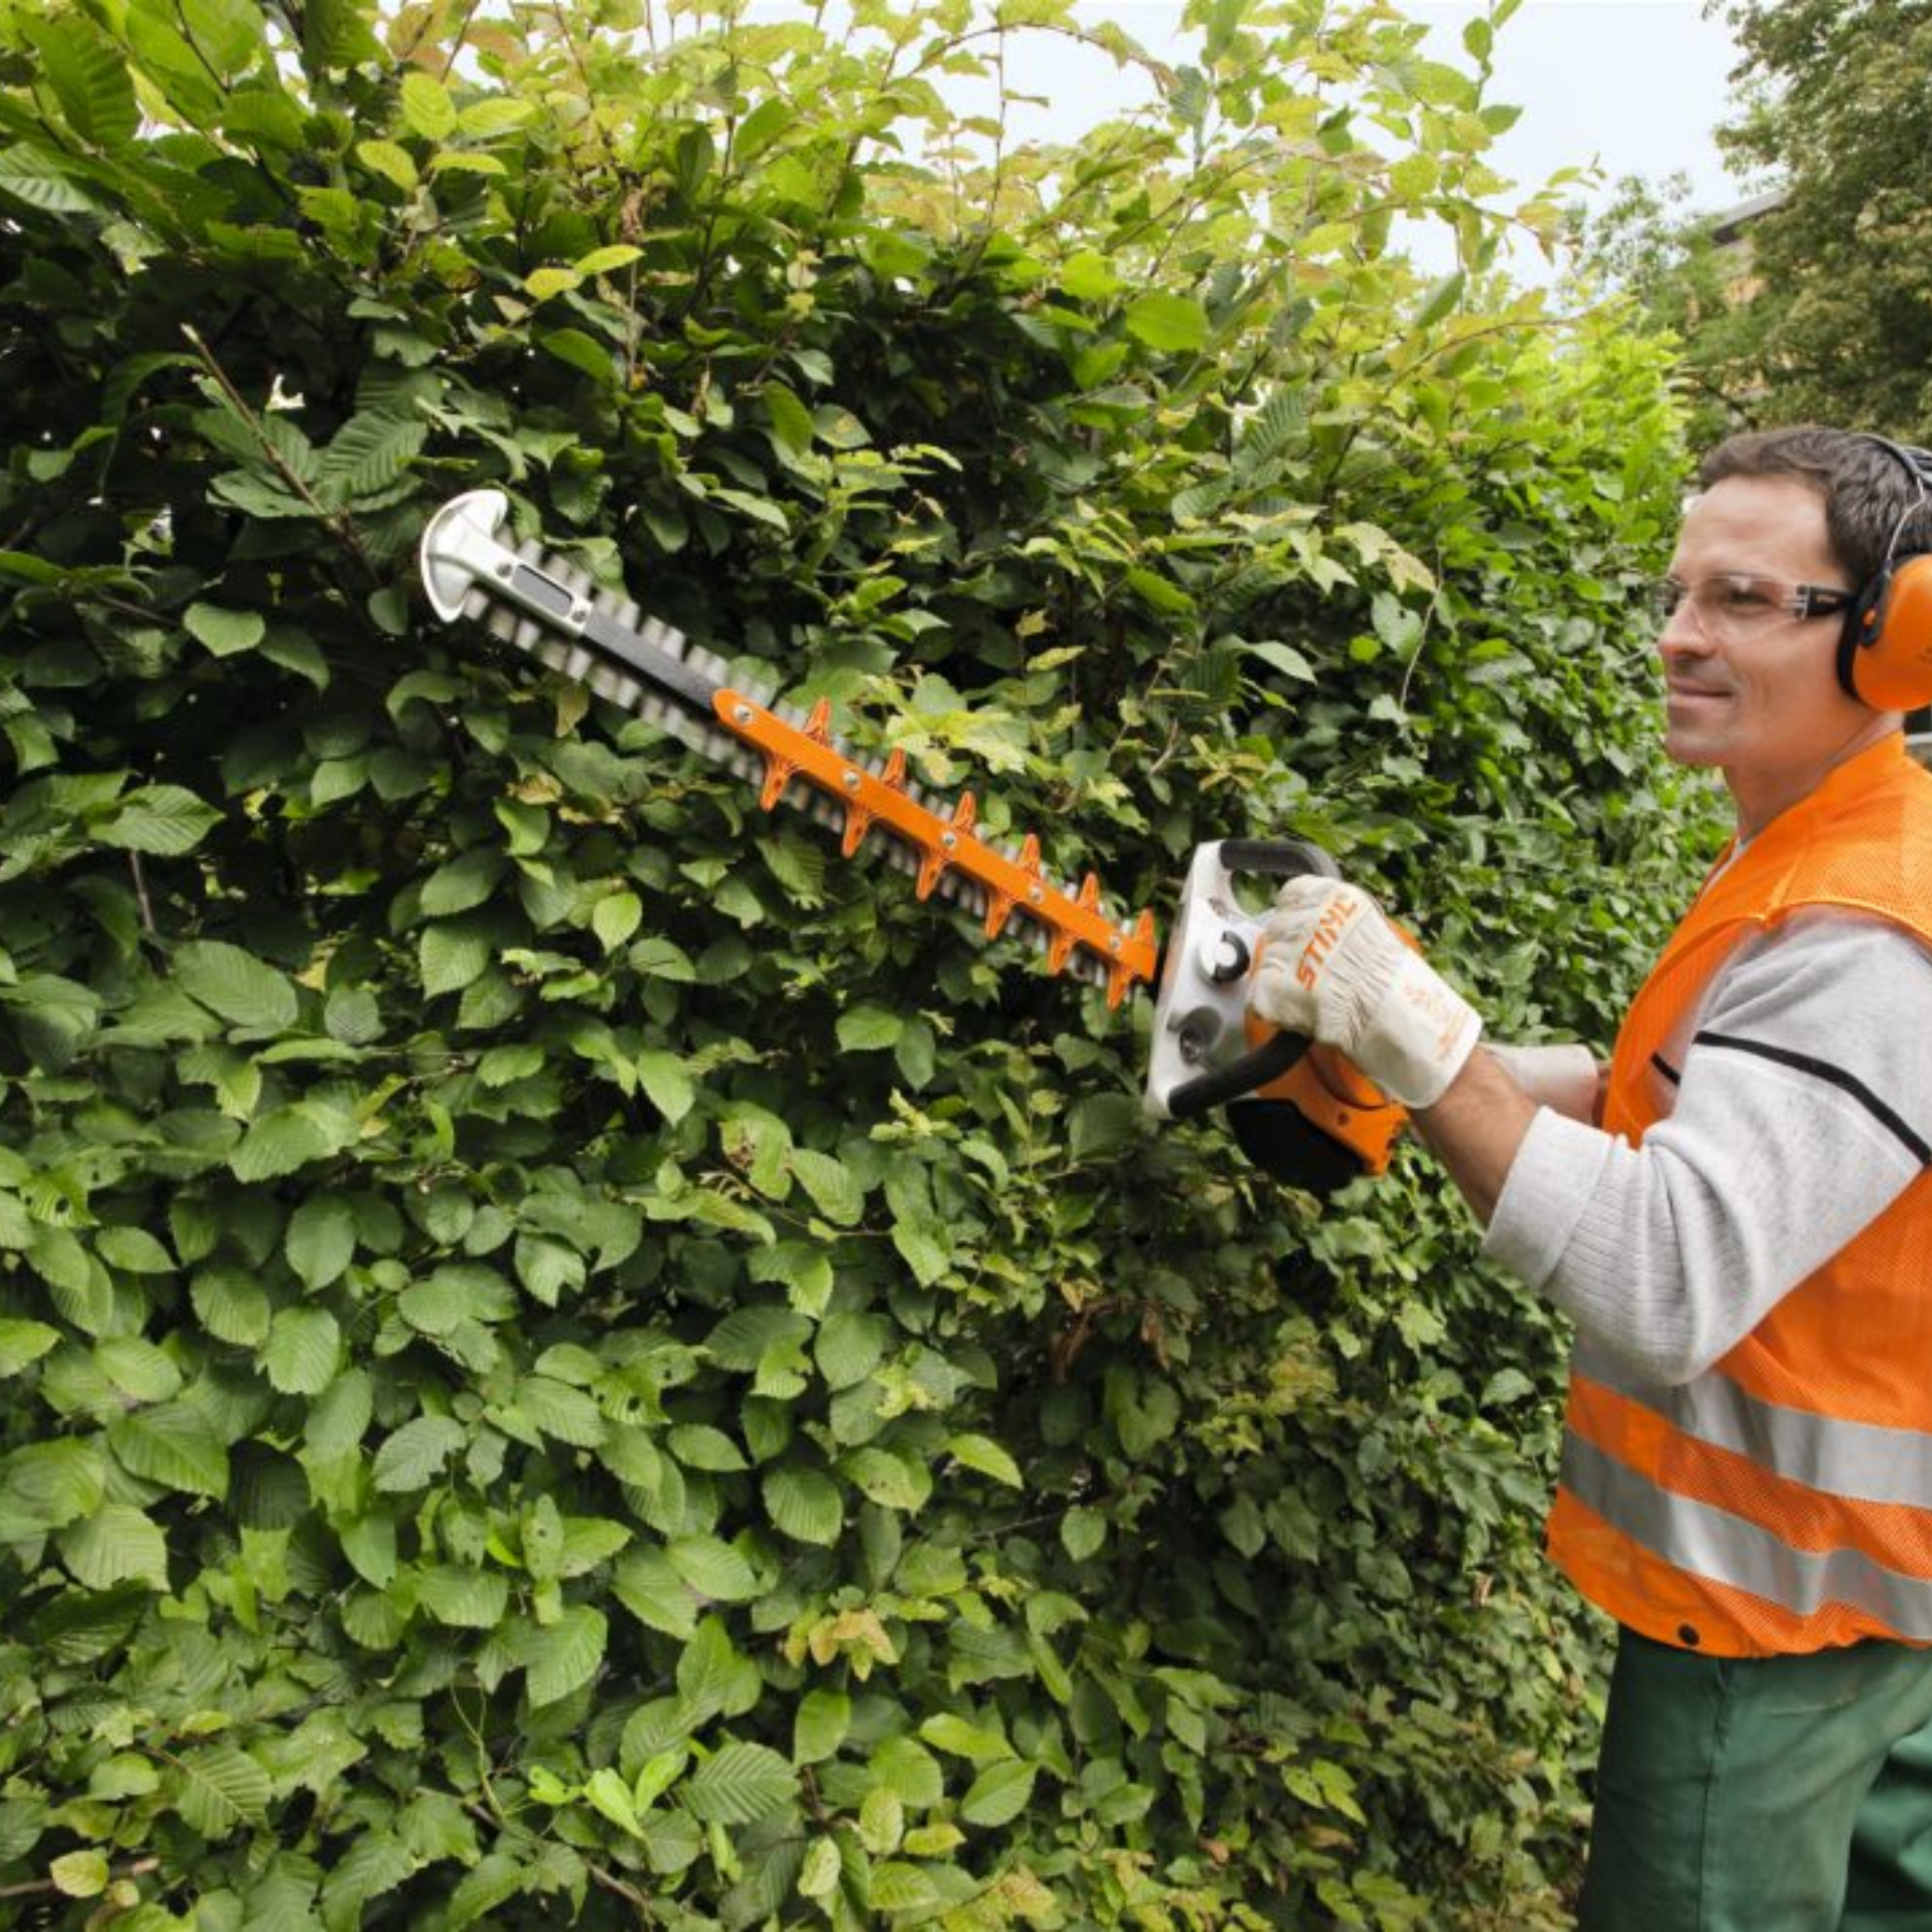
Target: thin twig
(141,893)
(44,1887)
(337,522)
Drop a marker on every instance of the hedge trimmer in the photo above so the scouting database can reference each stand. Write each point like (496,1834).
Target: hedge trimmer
(1306,1117)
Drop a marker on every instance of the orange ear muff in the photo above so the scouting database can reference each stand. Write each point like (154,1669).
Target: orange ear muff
(1885,657)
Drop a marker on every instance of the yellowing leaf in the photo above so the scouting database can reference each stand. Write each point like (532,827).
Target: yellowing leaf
(543,283)
(426,106)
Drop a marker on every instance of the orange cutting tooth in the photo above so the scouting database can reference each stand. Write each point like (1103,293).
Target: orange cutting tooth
(859,817)
(779,771)
(938,857)
(999,909)
(1062,944)
(1126,967)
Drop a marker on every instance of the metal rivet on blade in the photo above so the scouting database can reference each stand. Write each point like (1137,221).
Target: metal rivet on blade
(742,714)
(1113,945)
(850,781)
(507,569)
(948,840)
(1034,893)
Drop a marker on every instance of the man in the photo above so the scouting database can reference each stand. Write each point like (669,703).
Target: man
(1742,1235)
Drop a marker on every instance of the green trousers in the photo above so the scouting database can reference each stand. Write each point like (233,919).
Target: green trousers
(1775,1794)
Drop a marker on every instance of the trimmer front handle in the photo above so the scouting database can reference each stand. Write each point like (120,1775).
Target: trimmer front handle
(1202,1058)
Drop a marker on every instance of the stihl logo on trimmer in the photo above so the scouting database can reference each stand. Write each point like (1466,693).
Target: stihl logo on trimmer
(1336,918)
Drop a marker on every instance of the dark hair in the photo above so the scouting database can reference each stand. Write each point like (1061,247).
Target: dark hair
(1868,487)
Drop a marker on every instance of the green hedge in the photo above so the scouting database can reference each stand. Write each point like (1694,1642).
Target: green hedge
(571,1357)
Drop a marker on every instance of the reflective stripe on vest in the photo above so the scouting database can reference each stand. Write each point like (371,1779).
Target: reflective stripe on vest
(1712,1543)
(1861,1461)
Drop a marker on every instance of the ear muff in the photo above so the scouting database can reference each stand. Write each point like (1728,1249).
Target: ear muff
(1885,657)
(1884,652)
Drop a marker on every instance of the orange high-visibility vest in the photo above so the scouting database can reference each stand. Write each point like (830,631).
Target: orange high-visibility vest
(1782,1500)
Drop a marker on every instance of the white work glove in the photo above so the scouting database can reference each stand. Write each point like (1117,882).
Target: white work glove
(1332,967)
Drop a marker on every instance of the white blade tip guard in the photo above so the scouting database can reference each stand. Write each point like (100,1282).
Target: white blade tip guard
(459,546)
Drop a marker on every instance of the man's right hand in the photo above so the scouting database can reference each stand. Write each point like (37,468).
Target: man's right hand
(1333,967)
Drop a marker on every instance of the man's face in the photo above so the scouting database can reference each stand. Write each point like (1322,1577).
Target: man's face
(1758,695)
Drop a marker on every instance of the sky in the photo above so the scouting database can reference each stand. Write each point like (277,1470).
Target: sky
(1632,87)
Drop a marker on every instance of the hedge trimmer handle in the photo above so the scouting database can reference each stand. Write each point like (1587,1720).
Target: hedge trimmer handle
(1202,1057)
(1309,1120)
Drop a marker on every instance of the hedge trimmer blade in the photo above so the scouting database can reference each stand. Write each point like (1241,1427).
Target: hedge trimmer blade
(600,638)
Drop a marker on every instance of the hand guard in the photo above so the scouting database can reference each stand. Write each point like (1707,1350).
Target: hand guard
(1334,968)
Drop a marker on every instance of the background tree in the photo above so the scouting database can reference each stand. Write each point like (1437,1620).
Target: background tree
(1823,311)
(569,1356)
(1690,271)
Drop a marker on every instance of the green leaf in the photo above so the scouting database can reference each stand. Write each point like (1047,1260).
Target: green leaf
(739,1784)
(138,1368)
(1285,658)
(415,1456)
(453,955)
(167,820)
(614,918)
(818,1877)
(819,1725)
(581,352)
(90,79)
(232,1306)
(23,1342)
(305,1346)
(666,1085)
(949,1732)
(320,1241)
(924,1248)
(221,1788)
(849,1348)
(374,1863)
(173,1446)
(835,1189)
(494,1880)
(645,1584)
(133,1250)
(391,161)
(999,1794)
(117,1544)
(699,1446)
(559,1659)
(470,1598)
(426,106)
(985,1455)
(225,633)
(36,178)
(82,1874)
(235,986)
(714,1569)
(1175,324)
(888,1479)
(1083,1533)
(804,1505)
(370,450)
(281,1140)
(603,261)
(869,1028)
(339,1416)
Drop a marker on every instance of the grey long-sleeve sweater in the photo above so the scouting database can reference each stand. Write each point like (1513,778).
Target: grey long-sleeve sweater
(1799,1097)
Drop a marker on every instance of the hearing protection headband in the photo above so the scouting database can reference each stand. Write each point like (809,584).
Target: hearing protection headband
(1884,652)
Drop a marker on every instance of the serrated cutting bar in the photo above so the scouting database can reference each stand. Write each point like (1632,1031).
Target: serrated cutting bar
(551,610)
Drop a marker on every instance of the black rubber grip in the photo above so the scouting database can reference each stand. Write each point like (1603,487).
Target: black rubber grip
(1269,1062)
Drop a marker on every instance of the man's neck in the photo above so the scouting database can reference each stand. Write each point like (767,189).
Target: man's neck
(1759,804)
